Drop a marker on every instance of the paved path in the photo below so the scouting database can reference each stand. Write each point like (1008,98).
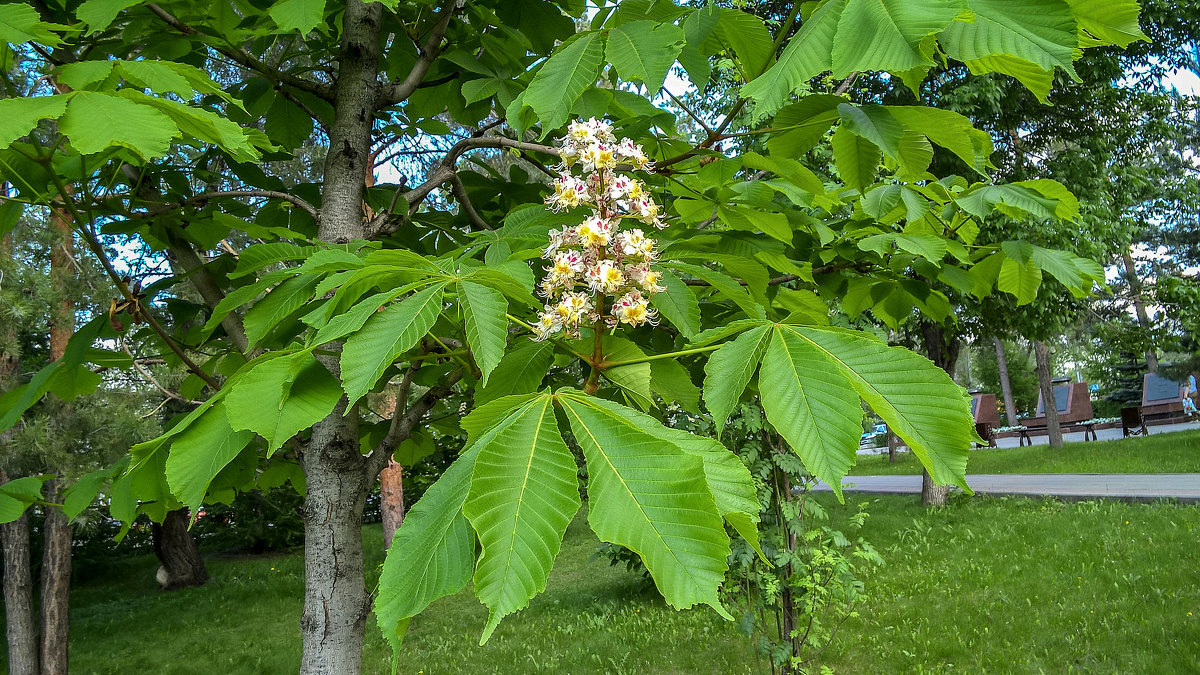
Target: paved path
(1071,437)
(1184,487)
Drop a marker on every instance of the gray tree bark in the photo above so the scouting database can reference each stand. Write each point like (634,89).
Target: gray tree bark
(943,350)
(1139,306)
(1047,388)
(1010,408)
(336,601)
(21,630)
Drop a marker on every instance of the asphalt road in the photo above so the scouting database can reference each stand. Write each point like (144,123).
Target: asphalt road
(1184,487)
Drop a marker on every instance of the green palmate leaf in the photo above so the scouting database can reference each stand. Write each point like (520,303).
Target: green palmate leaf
(159,77)
(258,256)
(199,453)
(520,371)
(1109,21)
(929,246)
(563,78)
(1062,266)
(278,305)
(241,295)
(279,398)
(16,495)
(484,416)
(887,34)
(96,122)
(20,23)
(99,14)
(200,124)
(679,305)
(644,51)
(915,398)
(1011,36)
(1021,279)
(857,158)
(352,319)
(650,496)
(432,554)
(808,54)
(756,220)
(301,15)
(729,370)
(484,312)
(385,336)
(524,492)
(810,403)
(18,116)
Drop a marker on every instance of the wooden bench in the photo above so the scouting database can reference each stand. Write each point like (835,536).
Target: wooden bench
(1089,431)
(1133,422)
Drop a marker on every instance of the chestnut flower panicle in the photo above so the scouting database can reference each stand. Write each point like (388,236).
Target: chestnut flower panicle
(597,265)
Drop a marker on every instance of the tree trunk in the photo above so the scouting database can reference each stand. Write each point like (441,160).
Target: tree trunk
(892,442)
(391,500)
(56,530)
(1139,306)
(182,564)
(1049,406)
(943,350)
(1010,408)
(18,596)
(336,601)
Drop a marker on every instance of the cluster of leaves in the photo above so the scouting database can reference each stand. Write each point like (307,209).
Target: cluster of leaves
(759,250)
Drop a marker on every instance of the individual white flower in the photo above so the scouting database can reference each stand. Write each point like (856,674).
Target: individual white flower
(620,185)
(577,306)
(567,264)
(633,309)
(546,326)
(633,242)
(594,231)
(605,277)
(646,210)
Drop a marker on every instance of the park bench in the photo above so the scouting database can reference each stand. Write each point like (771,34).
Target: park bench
(1133,422)
(987,416)
(1089,431)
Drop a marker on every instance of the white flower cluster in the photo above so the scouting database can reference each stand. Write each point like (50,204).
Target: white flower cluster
(597,266)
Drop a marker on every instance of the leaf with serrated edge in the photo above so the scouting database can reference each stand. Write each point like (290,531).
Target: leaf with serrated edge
(524,492)
(200,452)
(367,354)
(257,401)
(729,370)
(484,312)
(650,496)
(812,405)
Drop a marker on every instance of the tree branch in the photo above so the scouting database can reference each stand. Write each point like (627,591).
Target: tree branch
(397,92)
(460,193)
(246,59)
(402,426)
(205,196)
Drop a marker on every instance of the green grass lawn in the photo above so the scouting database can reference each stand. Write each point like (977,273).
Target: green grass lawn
(1177,452)
(982,585)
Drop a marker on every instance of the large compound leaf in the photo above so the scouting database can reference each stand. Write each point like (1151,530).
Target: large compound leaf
(99,14)
(96,122)
(18,494)
(21,23)
(200,452)
(484,312)
(915,398)
(278,305)
(729,370)
(524,492)
(1109,21)
(812,405)
(808,54)
(385,336)
(644,51)
(652,497)
(281,397)
(1021,279)
(563,78)
(432,554)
